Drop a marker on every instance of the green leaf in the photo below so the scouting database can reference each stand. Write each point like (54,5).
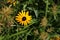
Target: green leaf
(30,8)
(1,38)
(36,13)
(24,6)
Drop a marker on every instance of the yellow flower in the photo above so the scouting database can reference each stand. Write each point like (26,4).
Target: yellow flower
(57,37)
(23,18)
(10,1)
(13,2)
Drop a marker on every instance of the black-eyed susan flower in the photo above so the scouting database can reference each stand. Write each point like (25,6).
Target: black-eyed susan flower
(23,18)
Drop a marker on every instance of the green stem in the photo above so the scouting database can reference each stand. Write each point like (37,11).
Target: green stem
(46,8)
(17,36)
(28,34)
(17,33)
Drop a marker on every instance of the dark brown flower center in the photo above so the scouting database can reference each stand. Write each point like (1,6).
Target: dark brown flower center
(24,18)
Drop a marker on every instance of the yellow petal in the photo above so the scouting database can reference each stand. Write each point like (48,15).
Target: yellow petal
(22,22)
(27,13)
(25,23)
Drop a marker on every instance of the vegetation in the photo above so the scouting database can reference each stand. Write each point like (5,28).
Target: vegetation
(29,19)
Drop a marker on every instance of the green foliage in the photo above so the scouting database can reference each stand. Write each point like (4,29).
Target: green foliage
(45,21)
